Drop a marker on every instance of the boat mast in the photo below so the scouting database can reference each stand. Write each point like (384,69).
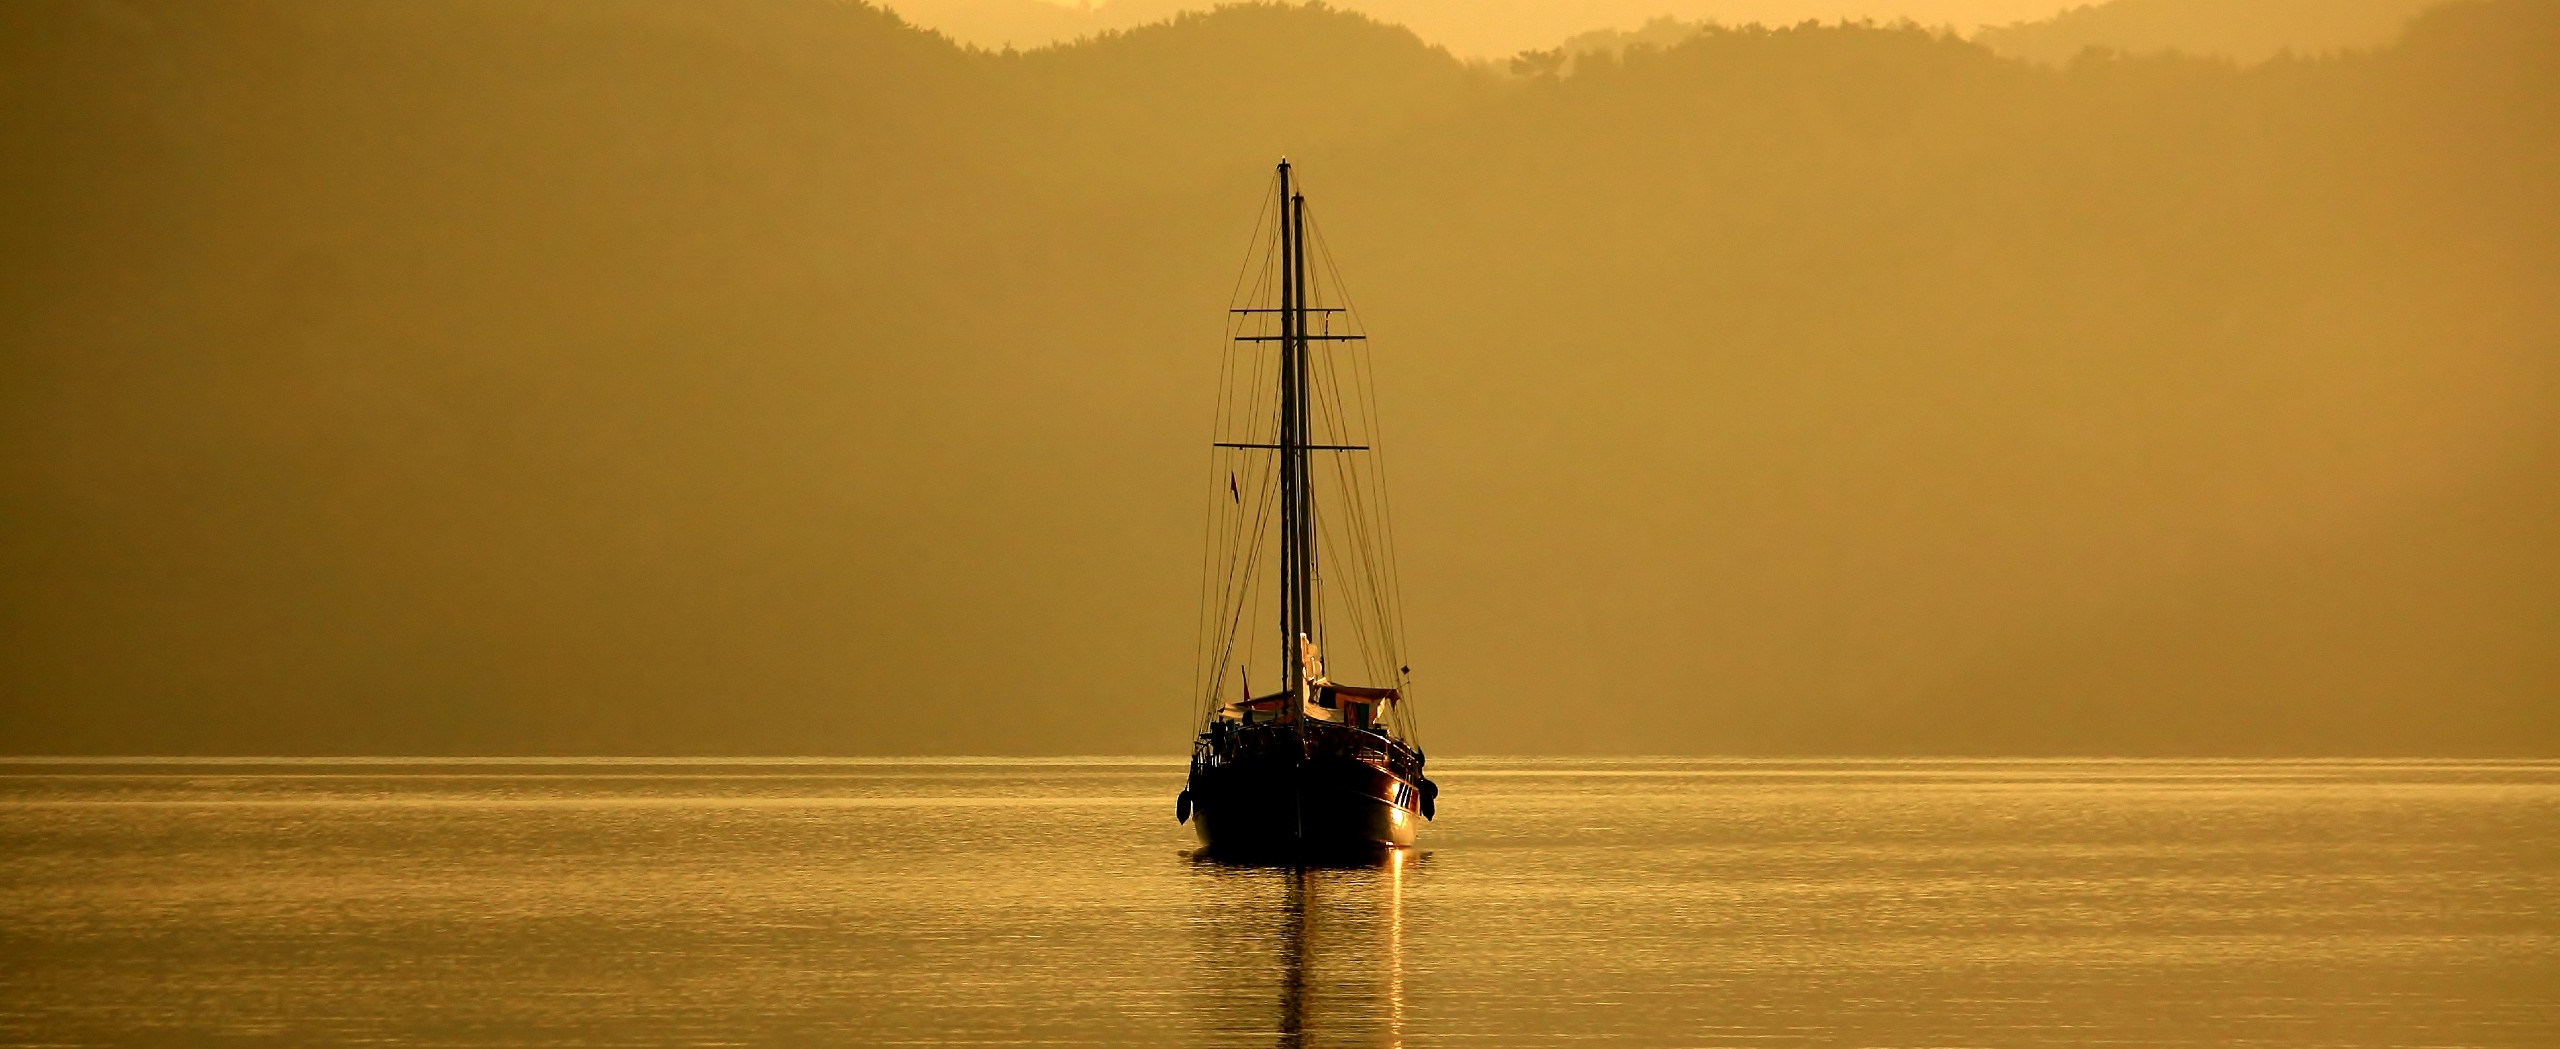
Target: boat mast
(1292,456)
(1306,515)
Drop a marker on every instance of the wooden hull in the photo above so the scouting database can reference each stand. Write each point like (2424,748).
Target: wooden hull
(1284,808)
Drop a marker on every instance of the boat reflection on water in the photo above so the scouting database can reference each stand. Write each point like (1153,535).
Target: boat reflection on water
(1305,956)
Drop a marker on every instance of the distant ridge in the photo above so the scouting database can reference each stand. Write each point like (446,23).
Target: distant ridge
(1474,29)
(2242,30)
(1026,24)
(2246,31)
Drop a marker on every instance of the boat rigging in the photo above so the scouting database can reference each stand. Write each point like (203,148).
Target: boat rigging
(1319,766)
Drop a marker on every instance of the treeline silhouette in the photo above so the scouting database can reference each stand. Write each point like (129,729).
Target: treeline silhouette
(669,377)
(2050,30)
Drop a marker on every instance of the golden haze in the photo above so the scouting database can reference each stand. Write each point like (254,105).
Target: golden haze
(665,377)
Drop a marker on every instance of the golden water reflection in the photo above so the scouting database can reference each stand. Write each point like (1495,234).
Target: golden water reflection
(1310,956)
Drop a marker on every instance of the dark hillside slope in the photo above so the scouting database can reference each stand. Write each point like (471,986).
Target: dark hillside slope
(461,377)
(1202,95)
(602,377)
(469,377)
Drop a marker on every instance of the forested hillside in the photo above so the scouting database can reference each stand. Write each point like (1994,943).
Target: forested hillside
(666,377)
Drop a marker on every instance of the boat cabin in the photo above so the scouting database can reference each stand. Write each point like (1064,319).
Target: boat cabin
(1354,705)
(1259,710)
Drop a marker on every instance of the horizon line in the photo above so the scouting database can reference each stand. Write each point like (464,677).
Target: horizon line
(1154,759)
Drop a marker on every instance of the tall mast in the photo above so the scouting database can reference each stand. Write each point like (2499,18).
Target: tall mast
(1306,515)
(1291,456)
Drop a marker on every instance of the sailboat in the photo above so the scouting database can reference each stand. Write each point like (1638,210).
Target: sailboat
(1319,766)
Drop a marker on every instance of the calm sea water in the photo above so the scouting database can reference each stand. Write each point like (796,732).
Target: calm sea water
(1693,903)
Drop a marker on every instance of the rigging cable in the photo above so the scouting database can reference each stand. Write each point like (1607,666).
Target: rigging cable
(1368,388)
(1209,673)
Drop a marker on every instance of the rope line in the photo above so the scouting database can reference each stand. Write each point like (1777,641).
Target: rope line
(1354,529)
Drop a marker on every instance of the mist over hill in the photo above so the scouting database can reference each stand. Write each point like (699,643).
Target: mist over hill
(2245,31)
(2241,30)
(651,377)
